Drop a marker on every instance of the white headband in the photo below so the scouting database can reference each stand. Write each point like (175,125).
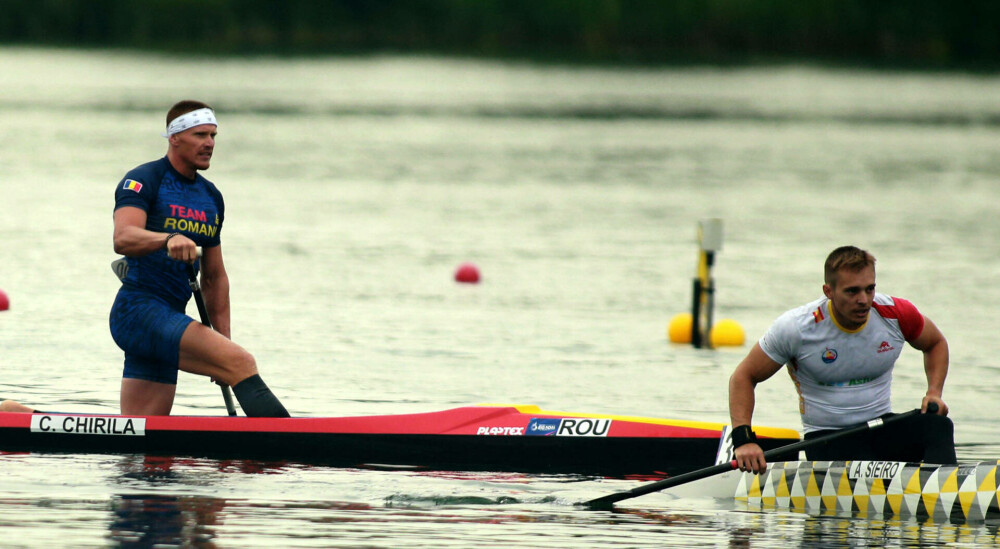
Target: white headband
(190,120)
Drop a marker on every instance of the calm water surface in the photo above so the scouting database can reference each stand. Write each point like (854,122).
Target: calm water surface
(355,187)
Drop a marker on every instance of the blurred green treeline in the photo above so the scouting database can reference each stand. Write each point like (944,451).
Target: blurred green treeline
(921,33)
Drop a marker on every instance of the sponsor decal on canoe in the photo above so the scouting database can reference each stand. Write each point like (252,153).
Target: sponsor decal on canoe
(500,431)
(873,469)
(545,426)
(568,427)
(553,427)
(88,425)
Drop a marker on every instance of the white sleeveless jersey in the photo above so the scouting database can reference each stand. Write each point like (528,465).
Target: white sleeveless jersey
(843,377)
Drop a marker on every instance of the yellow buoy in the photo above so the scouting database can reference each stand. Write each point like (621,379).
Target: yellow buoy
(679,329)
(726,332)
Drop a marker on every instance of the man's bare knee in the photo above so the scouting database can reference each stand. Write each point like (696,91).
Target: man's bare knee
(241,366)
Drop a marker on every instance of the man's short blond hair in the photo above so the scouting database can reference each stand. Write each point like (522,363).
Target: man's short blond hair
(851,258)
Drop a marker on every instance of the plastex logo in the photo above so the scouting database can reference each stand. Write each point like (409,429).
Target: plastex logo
(502,431)
(829,355)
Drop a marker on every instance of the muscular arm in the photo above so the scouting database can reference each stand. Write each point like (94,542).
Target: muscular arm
(935,348)
(131,237)
(755,368)
(215,288)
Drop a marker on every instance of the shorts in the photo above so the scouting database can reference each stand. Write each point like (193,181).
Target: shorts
(149,329)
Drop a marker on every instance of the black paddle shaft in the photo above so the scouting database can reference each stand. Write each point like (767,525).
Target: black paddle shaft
(198,299)
(608,501)
(203,312)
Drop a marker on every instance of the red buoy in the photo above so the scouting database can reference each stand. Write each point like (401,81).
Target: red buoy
(4,301)
(467,273)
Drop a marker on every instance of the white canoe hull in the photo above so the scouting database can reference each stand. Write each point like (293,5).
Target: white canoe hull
(964,492)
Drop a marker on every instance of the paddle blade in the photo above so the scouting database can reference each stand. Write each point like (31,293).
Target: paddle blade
(606,503)
(120,267)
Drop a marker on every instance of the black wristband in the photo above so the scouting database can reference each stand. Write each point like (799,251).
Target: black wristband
(743,435)
(166,240)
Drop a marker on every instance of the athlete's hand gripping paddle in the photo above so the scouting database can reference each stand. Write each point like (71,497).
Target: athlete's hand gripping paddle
(607,502)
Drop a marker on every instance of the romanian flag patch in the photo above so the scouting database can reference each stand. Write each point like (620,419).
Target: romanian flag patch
(132,185)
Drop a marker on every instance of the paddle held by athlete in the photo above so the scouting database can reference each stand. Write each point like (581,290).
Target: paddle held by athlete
(840,351)
(165,210)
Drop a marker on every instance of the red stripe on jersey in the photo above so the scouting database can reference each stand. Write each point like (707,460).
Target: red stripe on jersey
(911,322)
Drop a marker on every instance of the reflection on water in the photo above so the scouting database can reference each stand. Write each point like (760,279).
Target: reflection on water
(799,529)
(817,532)
(165,502)
(156,520)
(150,520)
(138,469)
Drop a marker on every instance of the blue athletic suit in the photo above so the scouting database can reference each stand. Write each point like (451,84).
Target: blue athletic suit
(148,315)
